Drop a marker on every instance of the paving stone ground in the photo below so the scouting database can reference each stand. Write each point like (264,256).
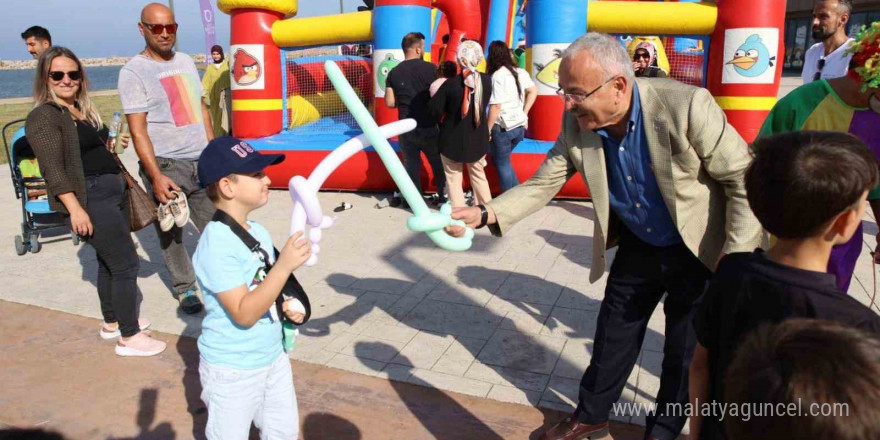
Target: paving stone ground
(512,319)
(84,391)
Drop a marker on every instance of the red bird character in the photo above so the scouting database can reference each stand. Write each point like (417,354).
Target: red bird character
(245,68)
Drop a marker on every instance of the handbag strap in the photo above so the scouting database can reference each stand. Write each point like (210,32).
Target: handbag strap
(128,179)
(292,288)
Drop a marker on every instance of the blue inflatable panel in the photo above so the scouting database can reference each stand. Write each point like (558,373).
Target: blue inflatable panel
(336,133)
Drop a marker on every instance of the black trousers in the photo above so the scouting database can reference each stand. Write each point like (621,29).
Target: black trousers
(118,262)
(640,275)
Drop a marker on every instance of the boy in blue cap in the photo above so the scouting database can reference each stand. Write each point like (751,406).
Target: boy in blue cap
(245,374)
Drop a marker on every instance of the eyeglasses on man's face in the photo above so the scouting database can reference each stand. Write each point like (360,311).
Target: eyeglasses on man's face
(577,98)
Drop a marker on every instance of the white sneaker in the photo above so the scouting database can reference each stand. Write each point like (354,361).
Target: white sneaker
(108,333)
(141,345)
(179,209)
(166,219)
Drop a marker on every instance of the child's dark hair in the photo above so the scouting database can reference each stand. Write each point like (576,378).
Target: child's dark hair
(799,181)
(447,69)
(213,190)
(829,372)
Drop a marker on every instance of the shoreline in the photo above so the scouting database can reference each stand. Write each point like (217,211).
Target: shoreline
(199,59)
(28,99)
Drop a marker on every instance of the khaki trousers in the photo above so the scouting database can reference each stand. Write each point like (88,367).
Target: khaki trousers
(479,184)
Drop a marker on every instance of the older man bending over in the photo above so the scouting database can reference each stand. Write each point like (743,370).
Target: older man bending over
(665,172)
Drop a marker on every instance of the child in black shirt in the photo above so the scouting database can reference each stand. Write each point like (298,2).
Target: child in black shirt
(808,189)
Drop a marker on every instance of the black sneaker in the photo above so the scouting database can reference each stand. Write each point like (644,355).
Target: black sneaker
(190,302)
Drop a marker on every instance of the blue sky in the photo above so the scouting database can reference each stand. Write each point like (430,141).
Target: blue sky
(100,28)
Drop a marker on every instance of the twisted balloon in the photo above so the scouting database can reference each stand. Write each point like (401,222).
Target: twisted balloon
(307,208)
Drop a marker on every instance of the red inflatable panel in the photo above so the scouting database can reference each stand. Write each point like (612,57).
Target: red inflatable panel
(252,26)
(365,172)
(548,110)
(747,122)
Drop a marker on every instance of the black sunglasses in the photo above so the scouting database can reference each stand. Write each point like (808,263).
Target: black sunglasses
(639,55)
(157,29)
(818,74)
(74,75)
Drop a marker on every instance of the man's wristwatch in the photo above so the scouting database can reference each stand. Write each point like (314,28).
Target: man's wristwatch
(484,216)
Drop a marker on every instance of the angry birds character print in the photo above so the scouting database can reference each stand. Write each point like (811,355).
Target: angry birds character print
(752,58)
(548,74)
(246,68)
(385,68)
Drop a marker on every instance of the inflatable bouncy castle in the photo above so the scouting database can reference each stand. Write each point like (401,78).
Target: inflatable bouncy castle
(282,101)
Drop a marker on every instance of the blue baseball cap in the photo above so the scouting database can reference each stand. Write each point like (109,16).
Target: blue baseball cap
(228,155)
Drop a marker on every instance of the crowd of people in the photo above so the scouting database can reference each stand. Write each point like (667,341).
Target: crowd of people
(750,248)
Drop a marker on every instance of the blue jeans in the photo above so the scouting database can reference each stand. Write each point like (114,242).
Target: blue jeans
(503,143)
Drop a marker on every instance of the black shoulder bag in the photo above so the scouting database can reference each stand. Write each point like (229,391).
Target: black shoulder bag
(291,289)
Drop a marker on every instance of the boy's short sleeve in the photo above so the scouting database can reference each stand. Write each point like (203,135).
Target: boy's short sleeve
(225,270)
(132,93)
(219,260)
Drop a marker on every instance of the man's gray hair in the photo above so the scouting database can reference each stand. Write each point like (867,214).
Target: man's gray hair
(608,53)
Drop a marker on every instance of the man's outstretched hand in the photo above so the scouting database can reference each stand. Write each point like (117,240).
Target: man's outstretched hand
(469,215)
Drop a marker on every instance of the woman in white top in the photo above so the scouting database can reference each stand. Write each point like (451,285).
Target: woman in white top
(513,93)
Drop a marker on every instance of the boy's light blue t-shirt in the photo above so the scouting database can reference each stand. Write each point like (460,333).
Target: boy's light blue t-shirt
(222,262)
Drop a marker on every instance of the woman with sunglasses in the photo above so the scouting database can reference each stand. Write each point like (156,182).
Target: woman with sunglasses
(645,61)
(84,183)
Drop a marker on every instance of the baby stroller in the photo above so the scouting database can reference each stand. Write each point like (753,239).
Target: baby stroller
(30,188)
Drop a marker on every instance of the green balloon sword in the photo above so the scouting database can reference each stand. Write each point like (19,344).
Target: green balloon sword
(423,219)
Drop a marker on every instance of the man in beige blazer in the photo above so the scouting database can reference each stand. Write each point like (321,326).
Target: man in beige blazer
(665,173)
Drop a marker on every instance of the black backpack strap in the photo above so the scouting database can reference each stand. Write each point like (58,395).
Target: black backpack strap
(292,288)
(243,235)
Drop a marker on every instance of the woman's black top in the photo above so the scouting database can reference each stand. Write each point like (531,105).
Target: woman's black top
(460,140)
(95,157)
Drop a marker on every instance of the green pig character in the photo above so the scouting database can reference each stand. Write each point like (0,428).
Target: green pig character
(385,68)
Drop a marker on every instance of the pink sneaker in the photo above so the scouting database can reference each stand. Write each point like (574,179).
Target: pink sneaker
(140,344)
(110,333)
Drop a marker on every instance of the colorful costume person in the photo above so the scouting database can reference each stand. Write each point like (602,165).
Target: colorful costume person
(215,93)
(817,106)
